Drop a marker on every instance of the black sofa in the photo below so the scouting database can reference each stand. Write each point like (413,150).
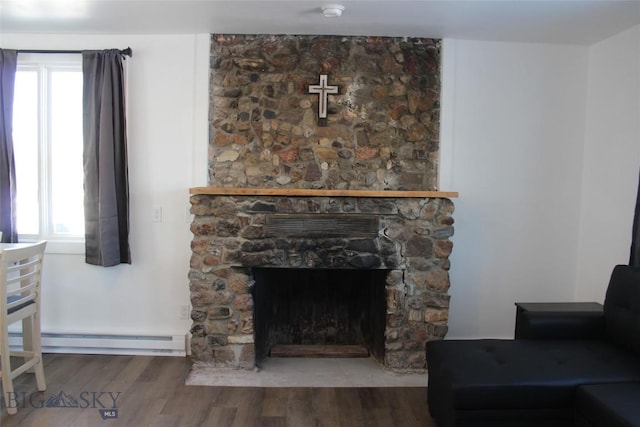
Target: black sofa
(563,369)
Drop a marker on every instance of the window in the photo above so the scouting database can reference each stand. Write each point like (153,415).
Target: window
(47,137)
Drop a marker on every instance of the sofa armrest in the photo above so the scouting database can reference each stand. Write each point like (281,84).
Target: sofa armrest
(559,321)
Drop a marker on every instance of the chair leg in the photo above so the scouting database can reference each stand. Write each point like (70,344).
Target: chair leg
(27,337)
(5,367)
(37,352)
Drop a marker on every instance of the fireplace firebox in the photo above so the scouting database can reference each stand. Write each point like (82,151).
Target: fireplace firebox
(327,308)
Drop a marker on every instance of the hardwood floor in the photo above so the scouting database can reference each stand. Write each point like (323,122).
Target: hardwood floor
(149,391)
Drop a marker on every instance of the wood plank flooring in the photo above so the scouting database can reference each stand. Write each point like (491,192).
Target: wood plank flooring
(150,391)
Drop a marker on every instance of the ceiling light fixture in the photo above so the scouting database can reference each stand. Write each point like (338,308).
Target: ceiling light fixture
(332,10)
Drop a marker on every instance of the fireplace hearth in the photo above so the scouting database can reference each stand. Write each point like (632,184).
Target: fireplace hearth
(271,270)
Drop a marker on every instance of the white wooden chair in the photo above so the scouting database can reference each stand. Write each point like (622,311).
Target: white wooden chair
(20,277)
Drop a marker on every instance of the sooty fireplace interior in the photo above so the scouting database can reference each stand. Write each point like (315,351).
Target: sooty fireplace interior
(322,307)
(270,270)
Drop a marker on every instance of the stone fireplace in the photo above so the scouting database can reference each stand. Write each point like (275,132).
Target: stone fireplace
(396,246)
(321,230)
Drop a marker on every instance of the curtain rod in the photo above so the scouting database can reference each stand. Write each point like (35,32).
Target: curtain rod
(127,51)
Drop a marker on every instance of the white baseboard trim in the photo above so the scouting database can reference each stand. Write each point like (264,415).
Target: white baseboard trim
(155,345)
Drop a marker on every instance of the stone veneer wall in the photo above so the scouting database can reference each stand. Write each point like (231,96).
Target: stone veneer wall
(230,237)
(382,130)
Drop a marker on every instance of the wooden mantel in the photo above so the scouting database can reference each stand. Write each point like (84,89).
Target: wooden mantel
(289,192)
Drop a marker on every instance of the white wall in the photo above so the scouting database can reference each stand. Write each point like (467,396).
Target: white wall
(514,118)
(167,130)
(611,161)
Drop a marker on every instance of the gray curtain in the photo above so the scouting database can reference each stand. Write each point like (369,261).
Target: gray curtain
(8,66)
(634,259)
(106,187)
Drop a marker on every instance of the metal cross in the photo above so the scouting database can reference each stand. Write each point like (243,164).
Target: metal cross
(322,90)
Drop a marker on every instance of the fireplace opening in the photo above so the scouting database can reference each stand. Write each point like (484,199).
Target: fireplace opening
(298,310)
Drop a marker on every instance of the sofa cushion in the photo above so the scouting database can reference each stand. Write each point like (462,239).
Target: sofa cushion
(520,374)
(622,307)
(611,405)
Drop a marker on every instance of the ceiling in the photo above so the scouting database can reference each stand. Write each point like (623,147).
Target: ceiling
(541,21)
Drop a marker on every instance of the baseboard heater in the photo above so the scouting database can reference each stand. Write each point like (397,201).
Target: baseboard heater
(157,345)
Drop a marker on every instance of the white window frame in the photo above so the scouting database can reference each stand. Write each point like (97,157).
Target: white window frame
(39,62)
